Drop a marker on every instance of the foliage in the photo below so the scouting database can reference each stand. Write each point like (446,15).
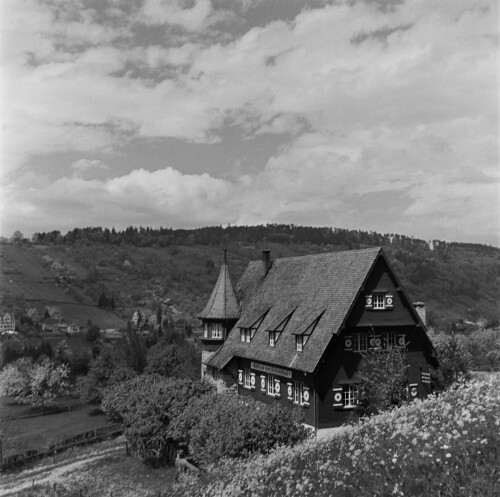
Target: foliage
(454,359)
(445,445)
(134,350)
(178,359)
(225,425)
(147,410)
(37,383)
(484,348)
(383,375)
(92,334)
(107,368)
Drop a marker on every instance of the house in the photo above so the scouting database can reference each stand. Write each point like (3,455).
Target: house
(295,329)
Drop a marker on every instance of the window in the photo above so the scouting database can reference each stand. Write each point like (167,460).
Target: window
(300,342)
(350,396)
(272,338)
(378,301)
(360,342)
(245,334)
(247,379)
(298,393)
(388,340)
(205,330)
(217,330)
(270,385)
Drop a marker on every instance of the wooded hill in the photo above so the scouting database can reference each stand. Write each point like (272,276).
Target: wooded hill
(139,267)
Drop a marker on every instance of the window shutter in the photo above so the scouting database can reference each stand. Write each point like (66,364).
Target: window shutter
(375,342)
(389,301)
(252,380)
(263,383)
(277,388)
(306,396)
(401,340)
(338,397)
(368,302)
(240,377)
(289,391)
(348,342)
(413,390)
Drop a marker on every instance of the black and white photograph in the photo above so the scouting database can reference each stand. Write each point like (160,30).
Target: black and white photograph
(249,248)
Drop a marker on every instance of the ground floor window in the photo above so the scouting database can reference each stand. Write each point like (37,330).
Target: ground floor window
(360,342)
(271,390)
(350,396)
(247,378)
(389,340)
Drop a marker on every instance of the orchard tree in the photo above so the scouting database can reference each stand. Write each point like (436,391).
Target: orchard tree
(38,384)
(383,375)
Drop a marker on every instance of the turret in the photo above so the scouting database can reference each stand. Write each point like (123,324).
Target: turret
(219,315)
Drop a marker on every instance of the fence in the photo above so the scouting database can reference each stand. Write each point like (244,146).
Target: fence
(30,456)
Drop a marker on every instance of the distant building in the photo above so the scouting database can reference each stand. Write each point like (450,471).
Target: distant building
(298,329)
(7,323)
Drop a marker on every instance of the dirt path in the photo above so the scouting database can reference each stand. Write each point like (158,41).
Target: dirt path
(47,473)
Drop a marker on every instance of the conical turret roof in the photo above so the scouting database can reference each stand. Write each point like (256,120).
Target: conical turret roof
(222,303)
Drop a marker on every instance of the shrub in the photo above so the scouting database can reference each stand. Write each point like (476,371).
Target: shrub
(225,425)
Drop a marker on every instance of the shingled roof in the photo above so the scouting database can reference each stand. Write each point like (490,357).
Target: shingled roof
(314,288)
(222,303)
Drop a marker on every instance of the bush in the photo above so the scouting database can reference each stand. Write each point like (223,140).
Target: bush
(225,425)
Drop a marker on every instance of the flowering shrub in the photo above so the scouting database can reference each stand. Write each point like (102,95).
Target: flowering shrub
(445,445)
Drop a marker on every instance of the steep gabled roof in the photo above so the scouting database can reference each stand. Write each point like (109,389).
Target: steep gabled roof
(321,286)
(222,303)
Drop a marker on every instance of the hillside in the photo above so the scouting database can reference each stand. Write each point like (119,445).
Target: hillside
(140,267)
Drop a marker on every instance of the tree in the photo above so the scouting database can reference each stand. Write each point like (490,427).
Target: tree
(454,359)
(37,384)
(93,333)
(107,368)
(147,405)
(179,360)
(17,237)
(383,375)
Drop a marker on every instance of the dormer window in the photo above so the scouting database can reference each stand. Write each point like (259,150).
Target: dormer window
(273,338)
(245,335)
(300,342)
(274,334)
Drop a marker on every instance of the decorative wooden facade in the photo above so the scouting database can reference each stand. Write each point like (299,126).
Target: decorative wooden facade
(302,325)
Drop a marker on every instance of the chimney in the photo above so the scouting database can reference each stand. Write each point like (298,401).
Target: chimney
(266,260)
(420,308)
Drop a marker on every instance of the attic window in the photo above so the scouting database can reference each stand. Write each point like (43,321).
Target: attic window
(379,301)
(276,333)
(247,334)
(302,338)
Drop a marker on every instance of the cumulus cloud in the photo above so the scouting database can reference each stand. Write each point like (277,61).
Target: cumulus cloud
(397,106)
(86,164)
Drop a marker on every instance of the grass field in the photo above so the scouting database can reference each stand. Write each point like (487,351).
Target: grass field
(40,431)
(102,470)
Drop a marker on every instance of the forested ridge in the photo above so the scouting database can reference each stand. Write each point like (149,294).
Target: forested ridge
(459,282)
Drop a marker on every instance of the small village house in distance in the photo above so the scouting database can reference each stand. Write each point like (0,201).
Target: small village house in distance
(295,329)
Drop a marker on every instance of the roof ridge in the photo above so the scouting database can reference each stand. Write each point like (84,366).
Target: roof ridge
(368,249)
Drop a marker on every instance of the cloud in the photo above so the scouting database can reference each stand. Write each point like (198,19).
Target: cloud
(86,164)
(397,106)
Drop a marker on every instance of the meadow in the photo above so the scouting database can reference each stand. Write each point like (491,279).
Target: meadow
(445,445)
(28,429)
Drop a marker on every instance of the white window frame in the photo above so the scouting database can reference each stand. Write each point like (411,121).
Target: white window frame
(205,330)
(350,395)
(360,342)
(217,331)
(272,338)
(247,379)
(271,390)
(378,301)
(245,335)
(389,339)
(298,393)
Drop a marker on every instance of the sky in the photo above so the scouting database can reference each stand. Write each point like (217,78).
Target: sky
(379,115)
